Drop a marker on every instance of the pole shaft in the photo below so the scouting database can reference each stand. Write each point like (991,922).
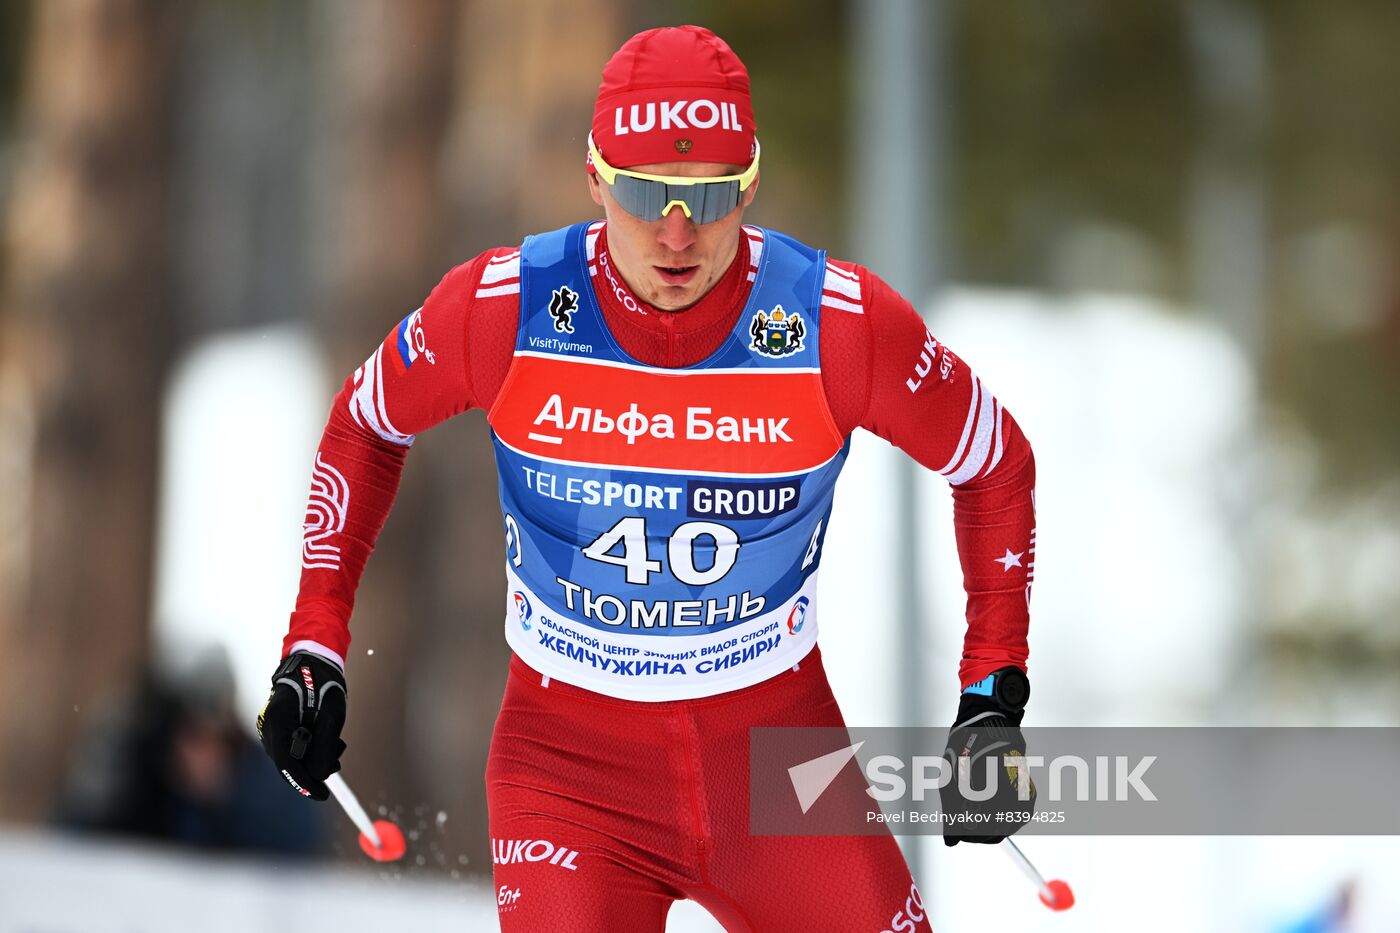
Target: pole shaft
(351,805)
(1020,859)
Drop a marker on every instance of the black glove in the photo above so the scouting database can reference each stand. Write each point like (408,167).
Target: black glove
(300,723)
(988,724)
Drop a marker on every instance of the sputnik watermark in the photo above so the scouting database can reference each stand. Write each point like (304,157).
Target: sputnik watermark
(1116,778)
(1110,780)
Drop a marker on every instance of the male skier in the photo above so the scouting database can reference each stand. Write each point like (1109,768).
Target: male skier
(671,395)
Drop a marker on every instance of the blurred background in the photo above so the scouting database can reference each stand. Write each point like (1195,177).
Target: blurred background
(1167,234)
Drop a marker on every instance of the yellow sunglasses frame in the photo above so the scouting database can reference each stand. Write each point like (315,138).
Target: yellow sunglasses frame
(609,175)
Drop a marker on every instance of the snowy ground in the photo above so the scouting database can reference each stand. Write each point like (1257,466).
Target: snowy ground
(55,884)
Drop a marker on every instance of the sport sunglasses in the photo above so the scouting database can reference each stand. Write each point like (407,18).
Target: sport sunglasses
(651,197)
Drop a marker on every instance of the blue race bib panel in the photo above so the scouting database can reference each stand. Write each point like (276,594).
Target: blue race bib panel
(664,526)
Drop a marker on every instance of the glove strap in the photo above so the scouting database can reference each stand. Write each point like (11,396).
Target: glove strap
(1002,693)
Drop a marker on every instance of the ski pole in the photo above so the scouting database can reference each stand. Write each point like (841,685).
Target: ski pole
(381,840)
(1054,894)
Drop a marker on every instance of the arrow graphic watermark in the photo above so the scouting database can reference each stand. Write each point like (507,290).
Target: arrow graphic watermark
(811,778)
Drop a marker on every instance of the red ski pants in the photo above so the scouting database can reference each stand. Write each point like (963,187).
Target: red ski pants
(604,812)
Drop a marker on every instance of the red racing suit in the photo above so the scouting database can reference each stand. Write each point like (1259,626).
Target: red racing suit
(881,369)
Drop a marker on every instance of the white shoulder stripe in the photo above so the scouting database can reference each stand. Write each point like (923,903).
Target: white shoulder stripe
(837,303)
(367,402)
(967,428)
(499,271)
(838,283)
(512,286)
(851,276)
(996,455)
(508,257)
(981,441)
(387,429)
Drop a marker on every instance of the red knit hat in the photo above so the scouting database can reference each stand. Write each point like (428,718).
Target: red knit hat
(674,94)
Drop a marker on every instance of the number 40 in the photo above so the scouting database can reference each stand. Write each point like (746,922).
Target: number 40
(631,533)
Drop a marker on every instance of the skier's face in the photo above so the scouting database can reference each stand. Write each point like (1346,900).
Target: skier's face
(671,263)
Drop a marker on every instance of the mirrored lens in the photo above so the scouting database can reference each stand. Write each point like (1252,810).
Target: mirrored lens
(646,200)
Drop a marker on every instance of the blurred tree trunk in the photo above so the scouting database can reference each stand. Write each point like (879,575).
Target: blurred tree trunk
(524,108)
(86,344)
(513,165)
(444,133)
(383,72)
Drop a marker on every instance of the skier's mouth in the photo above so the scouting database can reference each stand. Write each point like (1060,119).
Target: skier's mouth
(677,275)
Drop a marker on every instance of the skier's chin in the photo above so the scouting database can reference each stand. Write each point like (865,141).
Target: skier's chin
(676,297)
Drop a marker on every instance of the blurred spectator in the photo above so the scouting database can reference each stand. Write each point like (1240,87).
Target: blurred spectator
(173,763)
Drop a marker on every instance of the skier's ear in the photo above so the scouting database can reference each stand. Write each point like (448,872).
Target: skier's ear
(595,188)
(753,190)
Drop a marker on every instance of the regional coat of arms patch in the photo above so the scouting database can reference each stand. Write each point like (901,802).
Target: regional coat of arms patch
(777,332)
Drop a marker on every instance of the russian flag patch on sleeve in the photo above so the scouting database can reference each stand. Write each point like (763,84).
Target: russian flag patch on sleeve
(412,342)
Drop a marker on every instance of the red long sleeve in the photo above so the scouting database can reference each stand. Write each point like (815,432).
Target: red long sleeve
(422,374)
(887,373)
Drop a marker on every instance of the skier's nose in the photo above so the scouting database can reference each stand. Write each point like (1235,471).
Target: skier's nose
(676,231)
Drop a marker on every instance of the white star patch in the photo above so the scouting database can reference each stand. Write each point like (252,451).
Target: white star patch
(1009,561)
